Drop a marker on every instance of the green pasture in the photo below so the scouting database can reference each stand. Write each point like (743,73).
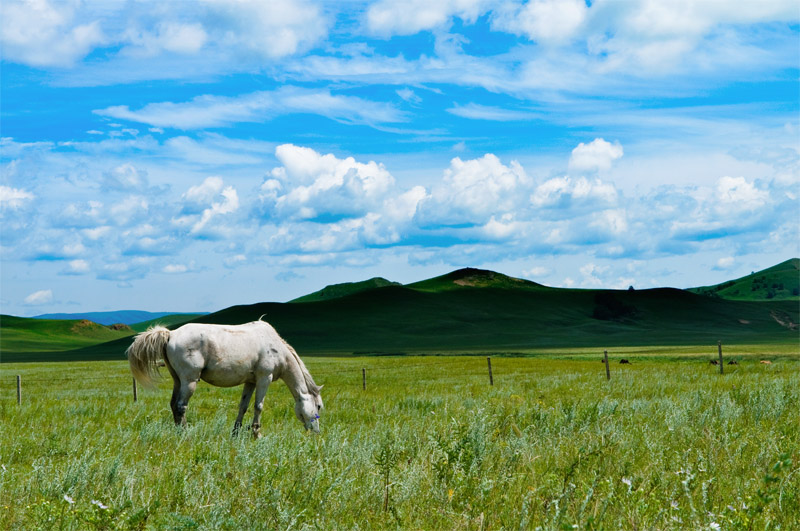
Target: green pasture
(667,443)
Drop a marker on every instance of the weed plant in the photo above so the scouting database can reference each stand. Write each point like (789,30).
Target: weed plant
(429,445)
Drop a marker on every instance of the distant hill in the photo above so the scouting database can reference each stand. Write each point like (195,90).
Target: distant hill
(478,311)
(474,278)
(22,335)
(342,290)
(780,282)
(127,317)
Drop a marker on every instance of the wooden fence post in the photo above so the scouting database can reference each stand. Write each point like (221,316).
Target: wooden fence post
(489,361)
(605,360)
(135,396)
(364,379)
(19,390)
(719,346)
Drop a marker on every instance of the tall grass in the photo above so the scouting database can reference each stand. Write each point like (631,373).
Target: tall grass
(428,445)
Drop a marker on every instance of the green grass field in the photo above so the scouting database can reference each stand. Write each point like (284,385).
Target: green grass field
(668,443)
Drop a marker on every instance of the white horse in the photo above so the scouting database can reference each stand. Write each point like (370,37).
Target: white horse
(252,354)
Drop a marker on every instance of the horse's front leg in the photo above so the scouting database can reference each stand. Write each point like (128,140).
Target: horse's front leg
(262,384)
(247,394)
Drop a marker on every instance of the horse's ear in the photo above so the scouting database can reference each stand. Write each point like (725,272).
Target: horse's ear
(321,386)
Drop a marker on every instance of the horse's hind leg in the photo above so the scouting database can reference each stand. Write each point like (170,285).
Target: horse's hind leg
(176,388)
(247,393)
(184,394)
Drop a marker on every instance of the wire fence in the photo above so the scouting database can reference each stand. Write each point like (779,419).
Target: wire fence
(362,373)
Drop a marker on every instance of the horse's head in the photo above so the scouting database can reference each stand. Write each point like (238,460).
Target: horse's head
(307,408)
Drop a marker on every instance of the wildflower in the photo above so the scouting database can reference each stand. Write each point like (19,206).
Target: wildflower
(674,504)
(68,499)
(715,526)
(627,482)
(100,504)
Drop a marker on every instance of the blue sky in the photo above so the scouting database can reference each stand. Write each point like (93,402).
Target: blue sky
(188,156)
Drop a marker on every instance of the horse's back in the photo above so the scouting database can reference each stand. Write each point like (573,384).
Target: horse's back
(223,355)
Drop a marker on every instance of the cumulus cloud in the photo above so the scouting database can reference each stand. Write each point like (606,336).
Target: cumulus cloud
(125,177)
(44,34)
(308,185)
(597,155)
(76,267)
(269,29)
(736,194)
(543,21)
(206,201)
(566,192)
(14,198)
(472,191)
(387,17)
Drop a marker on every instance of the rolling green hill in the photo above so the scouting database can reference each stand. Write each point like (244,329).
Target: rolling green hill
(494,313)
(475,311)
(780,282)
(342,290)
(22,337)
(20,334)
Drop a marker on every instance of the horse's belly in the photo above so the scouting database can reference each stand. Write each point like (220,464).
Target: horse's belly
(227,376)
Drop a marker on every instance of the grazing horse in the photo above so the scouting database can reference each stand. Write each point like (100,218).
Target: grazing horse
(252,354)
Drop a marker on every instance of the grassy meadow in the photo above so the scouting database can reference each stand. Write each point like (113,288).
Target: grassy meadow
(666,444)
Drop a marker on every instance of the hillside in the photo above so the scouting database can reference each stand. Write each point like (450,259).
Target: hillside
(22,335)
(474,311)
(780,282)
(342,290)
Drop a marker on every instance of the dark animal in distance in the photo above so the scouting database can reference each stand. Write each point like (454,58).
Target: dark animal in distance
(623,360)
(714,362)
(733,362)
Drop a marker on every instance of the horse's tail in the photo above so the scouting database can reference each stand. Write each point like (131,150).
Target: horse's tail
(144,353)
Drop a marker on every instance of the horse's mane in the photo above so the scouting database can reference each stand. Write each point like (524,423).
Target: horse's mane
(313,388)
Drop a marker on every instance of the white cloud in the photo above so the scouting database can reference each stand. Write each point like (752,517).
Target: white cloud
(736,194)
(175,268)
(14,198)
(388,17)
(77,267)
(126,177)
(536,272)
(221,111)
(271,29)
(475,111)
(40,297)
(544,21)
(167,36)
(597,155)
(473,191)
(566,192)
(725,263)
(128,209)
(204,202)
(309,185)
(44,34)
(409,95)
